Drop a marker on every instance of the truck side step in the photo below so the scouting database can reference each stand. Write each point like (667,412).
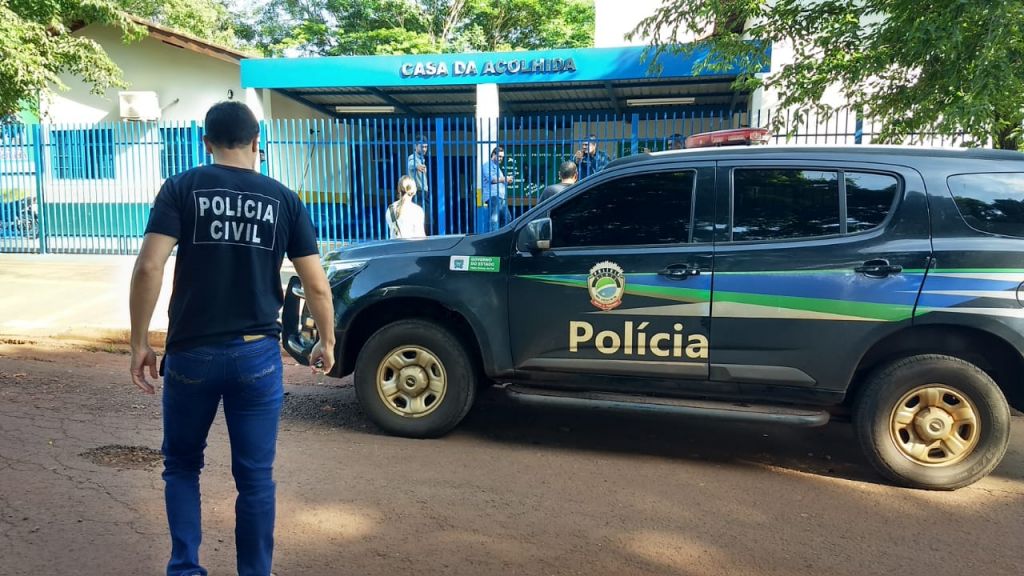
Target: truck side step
(718,410)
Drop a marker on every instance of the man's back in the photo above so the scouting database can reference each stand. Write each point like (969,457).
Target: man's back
(234,227)
(553,190)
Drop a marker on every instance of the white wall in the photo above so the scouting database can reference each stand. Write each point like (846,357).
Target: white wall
(282,106)
(783,54)
(616,18)
(186,83)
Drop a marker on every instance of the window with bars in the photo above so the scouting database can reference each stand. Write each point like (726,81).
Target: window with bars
(86,154)
(178,149)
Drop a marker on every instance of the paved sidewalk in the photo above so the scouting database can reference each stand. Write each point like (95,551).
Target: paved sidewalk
(75,295)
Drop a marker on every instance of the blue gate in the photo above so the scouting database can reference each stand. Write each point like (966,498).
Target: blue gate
(88,188)
(347,171)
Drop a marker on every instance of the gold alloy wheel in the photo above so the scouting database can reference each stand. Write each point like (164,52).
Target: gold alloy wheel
(935,425)
(411,381)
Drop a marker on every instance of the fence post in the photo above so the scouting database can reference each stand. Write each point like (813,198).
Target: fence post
(858,134)
(264,148)
(198,151)
(39,157)
(440,186)
(634,142)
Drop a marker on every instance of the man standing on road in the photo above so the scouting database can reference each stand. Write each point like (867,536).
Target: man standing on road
(566,177)
(232,226)
(590,160)
(496,184)
(416,166)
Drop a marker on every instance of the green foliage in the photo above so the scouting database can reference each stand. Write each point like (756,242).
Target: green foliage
(36,44)
(36,47)
(917,66)
(206,19)
(345,27)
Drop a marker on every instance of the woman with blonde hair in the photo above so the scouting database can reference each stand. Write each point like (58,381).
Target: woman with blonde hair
(404,217)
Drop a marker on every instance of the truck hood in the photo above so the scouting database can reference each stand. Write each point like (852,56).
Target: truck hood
(396,247)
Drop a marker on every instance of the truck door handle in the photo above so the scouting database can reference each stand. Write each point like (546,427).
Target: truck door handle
(878,269)
(679,272)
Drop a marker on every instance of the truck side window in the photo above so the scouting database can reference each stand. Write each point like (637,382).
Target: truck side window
(869,199)
(992,203)
(773,204)
(638,210)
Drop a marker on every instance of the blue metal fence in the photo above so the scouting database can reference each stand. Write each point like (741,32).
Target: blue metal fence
(88,188)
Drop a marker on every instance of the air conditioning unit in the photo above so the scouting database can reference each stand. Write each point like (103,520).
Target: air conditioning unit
(140,106)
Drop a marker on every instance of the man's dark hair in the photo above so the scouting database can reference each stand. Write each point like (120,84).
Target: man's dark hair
(421,140)
(496,149)
(566,170)
(230,125)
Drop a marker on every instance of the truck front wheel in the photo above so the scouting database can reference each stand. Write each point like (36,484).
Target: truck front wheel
(414,378)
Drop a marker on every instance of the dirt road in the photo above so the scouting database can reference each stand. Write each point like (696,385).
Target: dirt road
(515,490)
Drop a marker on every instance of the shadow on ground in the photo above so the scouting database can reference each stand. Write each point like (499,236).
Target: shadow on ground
(830,451)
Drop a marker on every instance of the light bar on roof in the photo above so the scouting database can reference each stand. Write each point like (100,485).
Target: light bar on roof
(735,137)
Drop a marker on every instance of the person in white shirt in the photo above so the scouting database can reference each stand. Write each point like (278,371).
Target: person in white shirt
(404,217)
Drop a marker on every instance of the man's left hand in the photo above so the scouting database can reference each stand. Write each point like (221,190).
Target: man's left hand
(141,358)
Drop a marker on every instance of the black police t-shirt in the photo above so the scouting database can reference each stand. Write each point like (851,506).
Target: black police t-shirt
(234,227)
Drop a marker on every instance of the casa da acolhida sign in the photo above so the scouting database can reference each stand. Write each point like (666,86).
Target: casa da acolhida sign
(490,67)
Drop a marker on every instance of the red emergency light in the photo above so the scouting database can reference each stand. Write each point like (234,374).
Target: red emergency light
(735,137)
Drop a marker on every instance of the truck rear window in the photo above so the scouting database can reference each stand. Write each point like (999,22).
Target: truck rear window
(992,202)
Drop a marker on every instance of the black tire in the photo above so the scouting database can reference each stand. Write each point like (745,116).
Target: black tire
(885,389)
(455,363)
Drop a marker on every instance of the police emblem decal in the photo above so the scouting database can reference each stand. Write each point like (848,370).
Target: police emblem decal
(606,285)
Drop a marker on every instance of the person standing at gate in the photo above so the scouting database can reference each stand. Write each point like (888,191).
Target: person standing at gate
(232,227)
(416,165)
(566,177)
(590,160)
(675,142)
(405,218)
(496,184)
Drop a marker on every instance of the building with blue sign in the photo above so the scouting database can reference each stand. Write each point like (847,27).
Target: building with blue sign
(589,80)
(340,130)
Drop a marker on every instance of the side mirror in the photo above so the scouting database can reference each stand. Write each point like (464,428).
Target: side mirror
(536,237)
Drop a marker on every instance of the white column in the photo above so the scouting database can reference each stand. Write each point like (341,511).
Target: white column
(258,100)
(487,112)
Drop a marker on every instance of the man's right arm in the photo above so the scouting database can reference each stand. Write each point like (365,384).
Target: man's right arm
(321,304)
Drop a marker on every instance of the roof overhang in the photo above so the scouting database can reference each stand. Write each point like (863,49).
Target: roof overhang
(179,39)
(547,81)
(189,42)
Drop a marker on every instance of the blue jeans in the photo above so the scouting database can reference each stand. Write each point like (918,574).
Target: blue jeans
(499,212)
(248,377)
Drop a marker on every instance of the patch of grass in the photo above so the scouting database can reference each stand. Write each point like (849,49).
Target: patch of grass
(108,348)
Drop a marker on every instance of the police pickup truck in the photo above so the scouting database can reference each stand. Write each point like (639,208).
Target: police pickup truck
(770,283)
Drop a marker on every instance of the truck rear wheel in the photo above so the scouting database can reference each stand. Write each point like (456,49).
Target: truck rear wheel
(414,378)
(932,422)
